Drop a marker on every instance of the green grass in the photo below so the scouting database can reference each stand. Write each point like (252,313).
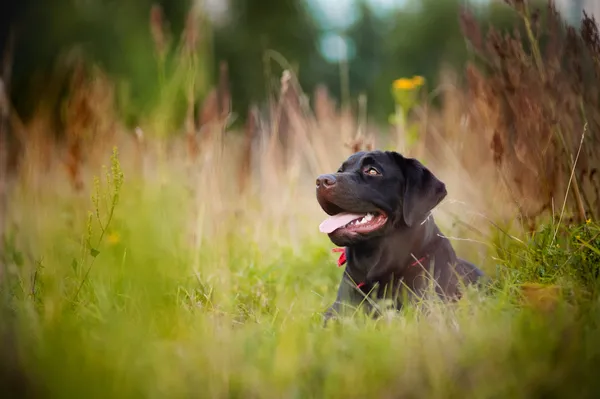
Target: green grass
(238,316)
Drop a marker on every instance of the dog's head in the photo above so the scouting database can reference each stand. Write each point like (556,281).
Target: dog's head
(374,193)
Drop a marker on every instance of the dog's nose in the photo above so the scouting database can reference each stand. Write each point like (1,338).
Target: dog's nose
(325,181)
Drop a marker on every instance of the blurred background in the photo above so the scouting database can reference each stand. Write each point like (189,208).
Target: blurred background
(91,73)
(352,47)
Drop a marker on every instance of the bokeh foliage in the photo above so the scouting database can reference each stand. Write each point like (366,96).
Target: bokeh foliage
(116,36)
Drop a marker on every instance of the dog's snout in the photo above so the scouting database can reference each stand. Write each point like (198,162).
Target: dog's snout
(325,181)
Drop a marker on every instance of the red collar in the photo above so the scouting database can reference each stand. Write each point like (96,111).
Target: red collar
(342,258)
(342,261)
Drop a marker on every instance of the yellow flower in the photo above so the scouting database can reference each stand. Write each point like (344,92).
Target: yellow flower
(113,238)
(418,80)
(403,84)
(588,221)
(409,84)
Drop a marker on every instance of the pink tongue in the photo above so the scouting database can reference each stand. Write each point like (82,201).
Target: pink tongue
(332,223)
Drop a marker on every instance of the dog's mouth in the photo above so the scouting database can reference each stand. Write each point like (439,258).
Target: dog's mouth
(353,222)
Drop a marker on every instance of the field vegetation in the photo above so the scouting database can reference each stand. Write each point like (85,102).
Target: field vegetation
(184,259)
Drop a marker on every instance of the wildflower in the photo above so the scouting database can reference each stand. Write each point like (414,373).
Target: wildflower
(418,80)
(409,83)
(403,84)
(405,92)
(588,221)
(113,238)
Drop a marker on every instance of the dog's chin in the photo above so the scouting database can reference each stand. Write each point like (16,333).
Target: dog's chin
(356,233)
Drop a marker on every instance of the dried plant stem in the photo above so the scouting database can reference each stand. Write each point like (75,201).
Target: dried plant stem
(591,211)
(570,163)
(537,55)
(3,168)
(571,178)
(5,76)
(245,171)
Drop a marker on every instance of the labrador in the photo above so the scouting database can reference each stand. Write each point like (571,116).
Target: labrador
(379,205)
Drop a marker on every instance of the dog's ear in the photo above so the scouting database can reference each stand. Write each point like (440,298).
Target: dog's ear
(422,190)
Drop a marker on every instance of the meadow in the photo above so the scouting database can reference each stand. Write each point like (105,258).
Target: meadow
(136,265)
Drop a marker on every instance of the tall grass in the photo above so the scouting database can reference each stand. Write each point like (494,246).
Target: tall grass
(179,273)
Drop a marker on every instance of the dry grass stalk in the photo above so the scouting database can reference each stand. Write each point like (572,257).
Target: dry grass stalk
(335,128)
(191,32)
(280,123)
(306,137)
(3,167)
(89,120)
(157,29)
(290,123)
(208,115)
(215,110)
(101,137)
(245,170)
(224,93)
(300,126)
(40,150)
(77,118)
(5,110)
(190,128)
(324,105)
(539,100)
(190,41)
(360,143)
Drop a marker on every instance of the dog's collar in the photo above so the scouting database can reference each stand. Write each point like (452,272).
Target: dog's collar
(342,261)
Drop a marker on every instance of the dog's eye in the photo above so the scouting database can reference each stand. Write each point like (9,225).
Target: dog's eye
(371,171)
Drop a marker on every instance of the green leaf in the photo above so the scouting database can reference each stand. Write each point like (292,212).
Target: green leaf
(94,252)
(74,264)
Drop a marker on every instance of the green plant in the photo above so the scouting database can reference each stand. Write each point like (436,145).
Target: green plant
(105,200)
(406,92)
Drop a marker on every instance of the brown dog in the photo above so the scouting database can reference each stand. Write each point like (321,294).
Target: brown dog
(379,205)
